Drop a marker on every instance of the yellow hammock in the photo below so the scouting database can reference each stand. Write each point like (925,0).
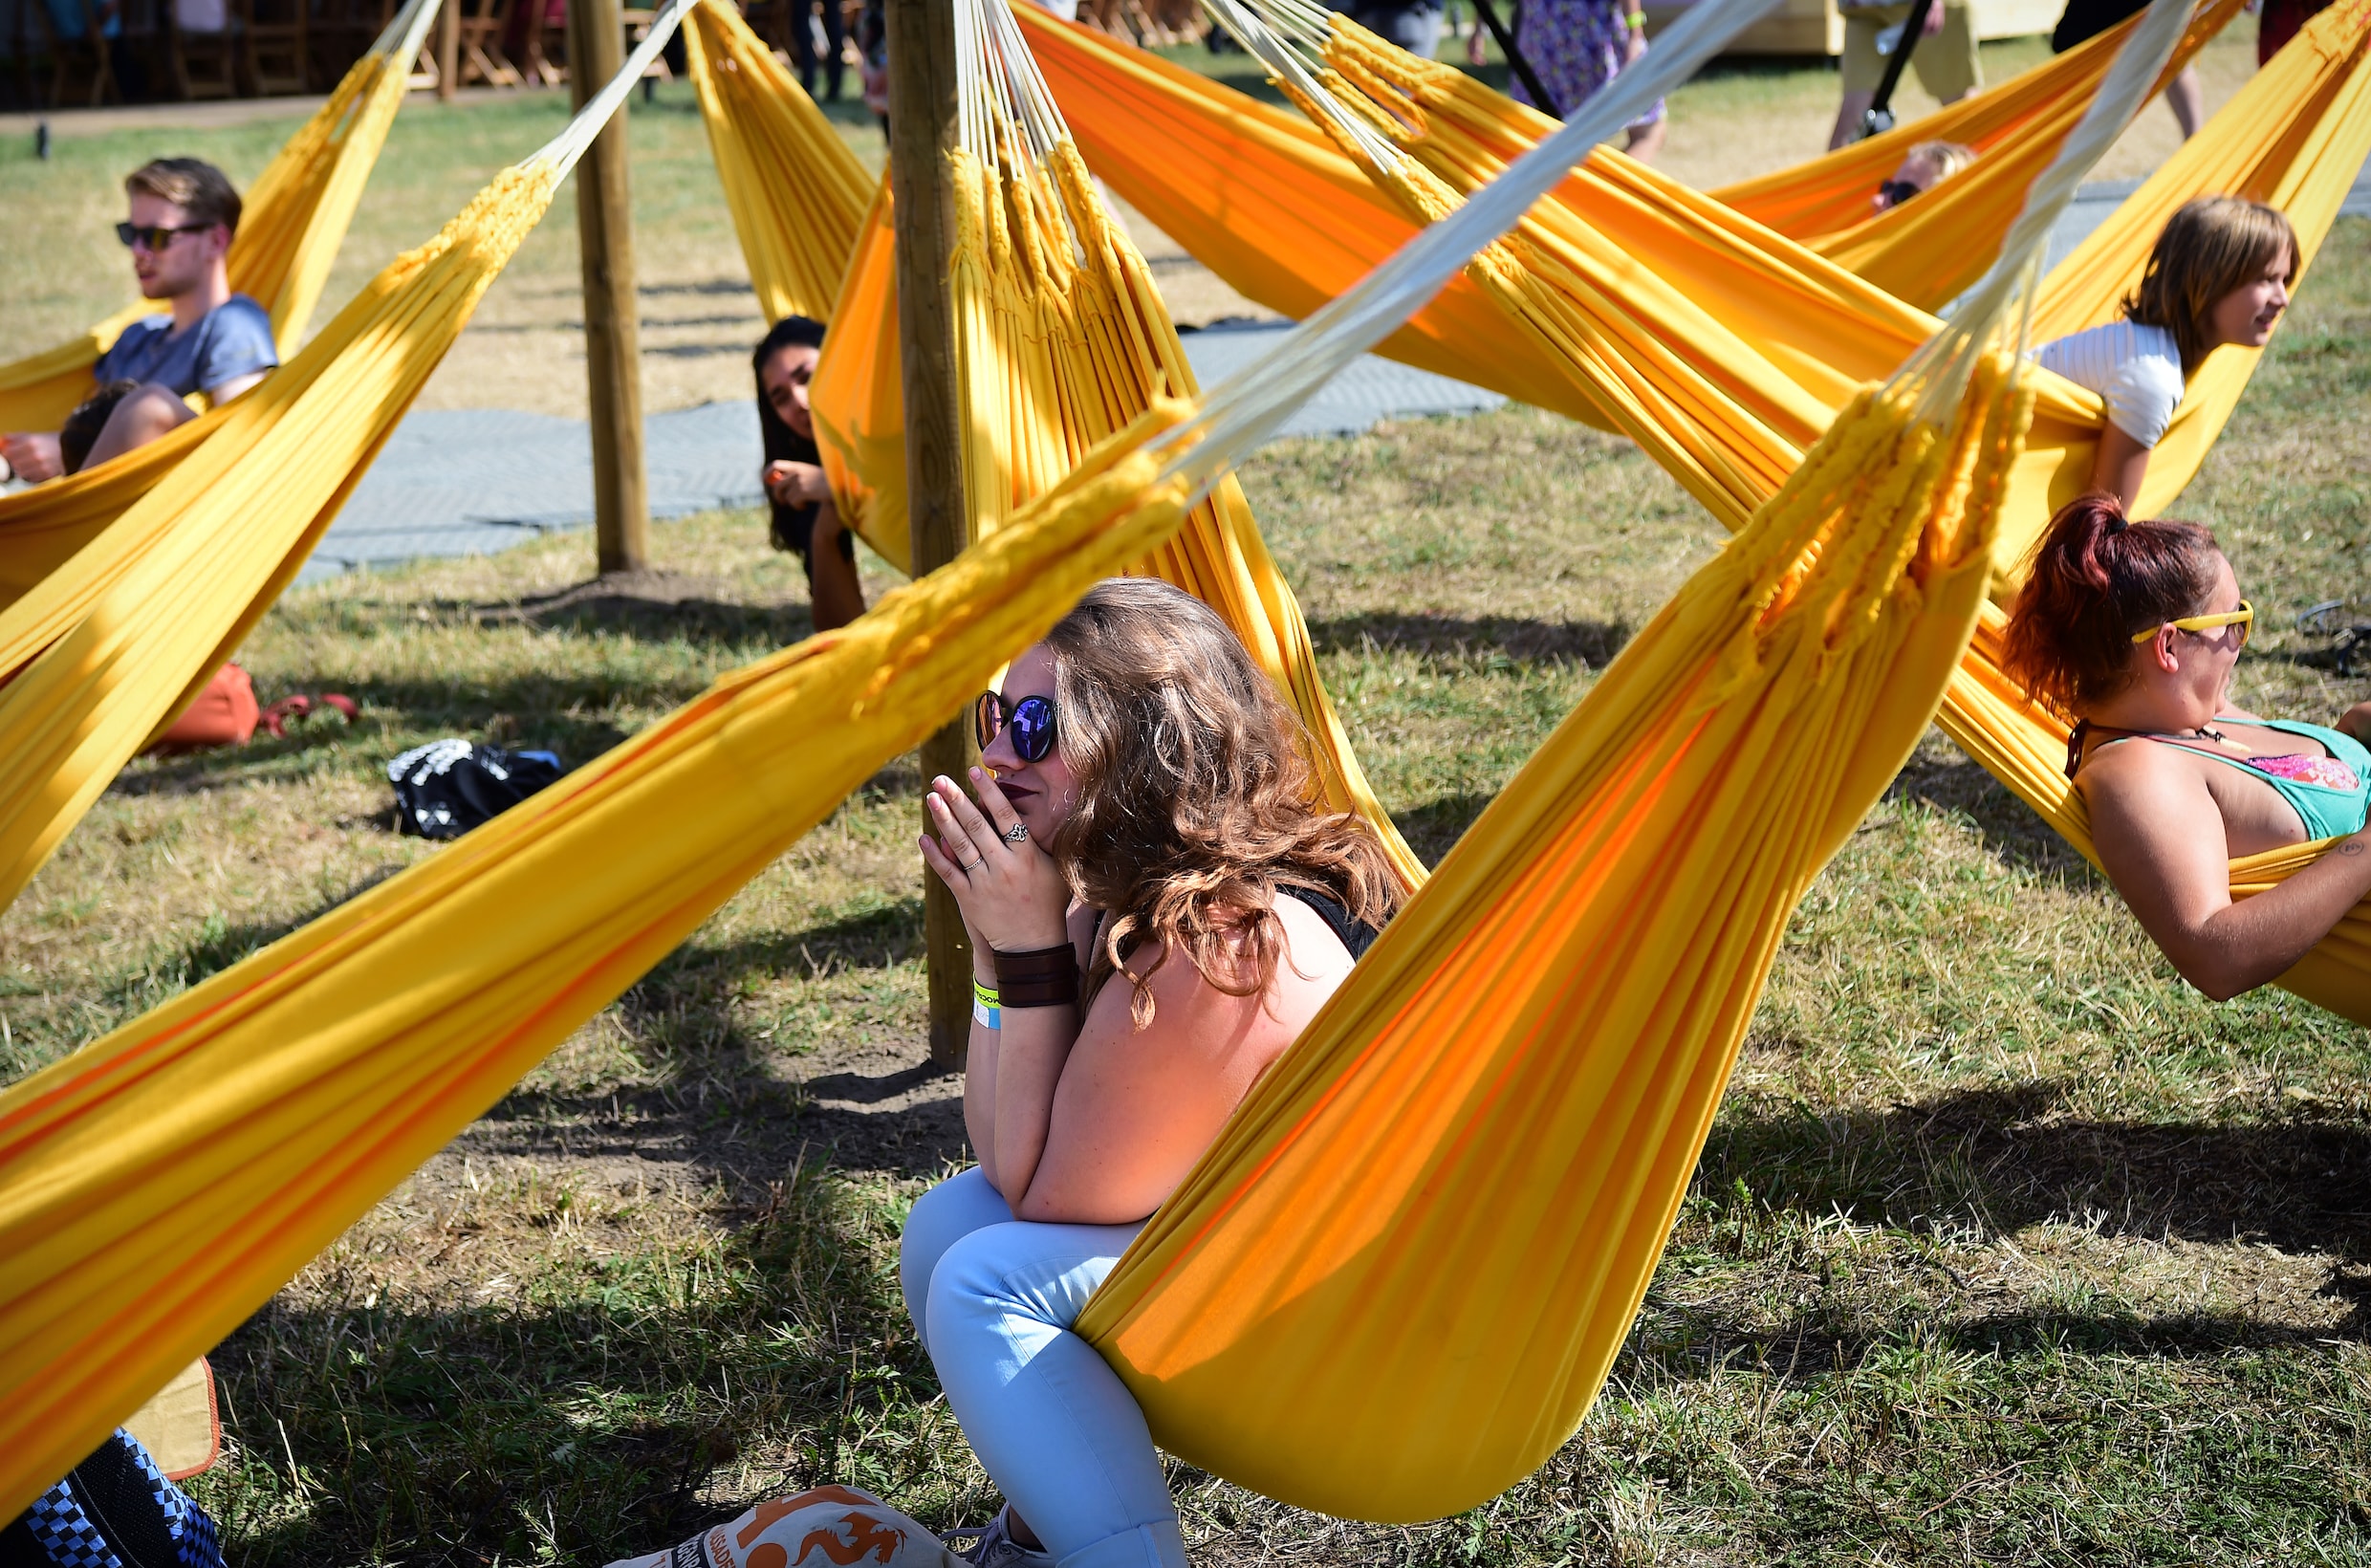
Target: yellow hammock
(106,649)
(796,192)
(159,1185)
(1926,252)
(1061,340)
(294,216)
(2294,136)
(1768,338)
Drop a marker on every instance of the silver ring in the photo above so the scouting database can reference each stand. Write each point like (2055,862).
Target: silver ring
(969,867)
(1017,833)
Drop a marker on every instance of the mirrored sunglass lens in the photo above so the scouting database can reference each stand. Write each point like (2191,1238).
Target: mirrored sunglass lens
(1033,728)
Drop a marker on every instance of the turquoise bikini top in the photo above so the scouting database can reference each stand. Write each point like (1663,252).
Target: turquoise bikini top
(2329,794)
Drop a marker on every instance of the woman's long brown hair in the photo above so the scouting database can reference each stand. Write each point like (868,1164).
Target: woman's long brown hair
(1196,800)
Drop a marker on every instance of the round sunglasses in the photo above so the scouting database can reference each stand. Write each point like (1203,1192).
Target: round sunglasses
(1031,719)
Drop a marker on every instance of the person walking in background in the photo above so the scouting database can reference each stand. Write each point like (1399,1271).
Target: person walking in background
(2089,18)
(1414,25)
(2276,25)
(1575,46)
(1945,57)
(803,52)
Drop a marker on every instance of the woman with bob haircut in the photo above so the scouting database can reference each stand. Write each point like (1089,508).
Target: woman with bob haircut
(2133,629)
(1158,903)
(2219,275)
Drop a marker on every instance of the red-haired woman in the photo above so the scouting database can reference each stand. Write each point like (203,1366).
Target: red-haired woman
(2133,629)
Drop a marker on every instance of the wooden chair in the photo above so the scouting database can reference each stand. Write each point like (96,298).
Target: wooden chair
(770,21)
(339,31)
(273,42)
(81,71)
(201,49)
(482,58)
(543,60)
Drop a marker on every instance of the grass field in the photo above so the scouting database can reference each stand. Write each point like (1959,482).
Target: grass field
(2006,1247)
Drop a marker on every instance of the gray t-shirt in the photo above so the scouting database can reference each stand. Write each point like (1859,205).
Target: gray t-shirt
(230,341)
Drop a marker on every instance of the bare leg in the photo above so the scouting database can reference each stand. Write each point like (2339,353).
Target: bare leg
(1646,140)
(839,597)
(2188,99)
(1848,118)
(140,418)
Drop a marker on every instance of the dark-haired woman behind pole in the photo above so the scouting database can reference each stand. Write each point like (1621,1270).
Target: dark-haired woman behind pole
(805,520)
(2133,629)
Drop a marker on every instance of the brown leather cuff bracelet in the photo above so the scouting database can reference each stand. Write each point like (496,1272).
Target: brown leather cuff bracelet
(1041,977)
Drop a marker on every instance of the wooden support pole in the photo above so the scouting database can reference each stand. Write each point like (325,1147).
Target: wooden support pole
(613,348)
(447,50)
(921,133)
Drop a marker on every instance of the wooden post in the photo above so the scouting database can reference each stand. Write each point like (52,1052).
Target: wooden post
(922,132)
(613,349)
(447,50)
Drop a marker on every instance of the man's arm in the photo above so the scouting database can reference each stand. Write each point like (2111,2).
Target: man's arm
(232,388)
(34,454)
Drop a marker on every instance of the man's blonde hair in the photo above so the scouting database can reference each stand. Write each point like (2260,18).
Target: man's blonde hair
(197,187)
(2211,247)
(1948,158)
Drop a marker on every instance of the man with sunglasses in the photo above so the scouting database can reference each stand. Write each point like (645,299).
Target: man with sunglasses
(210,340)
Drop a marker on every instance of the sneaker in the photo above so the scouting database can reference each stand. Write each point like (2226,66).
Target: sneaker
(993,1546)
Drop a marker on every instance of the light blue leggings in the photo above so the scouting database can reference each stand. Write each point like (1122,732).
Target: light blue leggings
(1053,1425)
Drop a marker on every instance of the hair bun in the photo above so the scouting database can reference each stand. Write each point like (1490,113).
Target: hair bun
(2117,522)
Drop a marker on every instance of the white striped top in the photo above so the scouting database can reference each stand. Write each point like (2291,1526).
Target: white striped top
(2138,369)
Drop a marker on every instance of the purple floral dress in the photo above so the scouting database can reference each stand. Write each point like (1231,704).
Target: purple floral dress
(1575,46)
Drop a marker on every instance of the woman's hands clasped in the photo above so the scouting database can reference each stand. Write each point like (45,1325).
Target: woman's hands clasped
(1012,896)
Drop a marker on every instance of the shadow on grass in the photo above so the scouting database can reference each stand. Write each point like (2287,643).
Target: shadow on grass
(650,605)
(580,1420)
(2002,1158)
(1589,643)
(1689,1342)
(2010,830)
(197,773)
(1432,830)
(727,1107)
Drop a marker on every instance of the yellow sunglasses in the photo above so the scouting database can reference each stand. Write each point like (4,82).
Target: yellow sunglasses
(2244,617)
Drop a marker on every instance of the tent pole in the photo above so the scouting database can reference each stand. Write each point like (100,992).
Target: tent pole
(613,350)
(921,133)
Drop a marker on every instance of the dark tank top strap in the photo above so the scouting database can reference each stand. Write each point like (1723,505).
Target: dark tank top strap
(1356,935)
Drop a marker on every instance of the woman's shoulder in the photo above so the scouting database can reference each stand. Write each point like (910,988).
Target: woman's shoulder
(2132,766)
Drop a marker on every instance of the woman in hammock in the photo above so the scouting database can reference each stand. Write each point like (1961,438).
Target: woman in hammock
(2219,274)
(2134,628)
(1155,909)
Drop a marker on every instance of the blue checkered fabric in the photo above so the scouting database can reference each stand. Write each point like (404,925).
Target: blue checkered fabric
(71,1536)
(117,1510)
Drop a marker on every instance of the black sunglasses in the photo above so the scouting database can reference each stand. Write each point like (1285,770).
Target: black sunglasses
(1895,193)
(156,236)
(1031,719)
